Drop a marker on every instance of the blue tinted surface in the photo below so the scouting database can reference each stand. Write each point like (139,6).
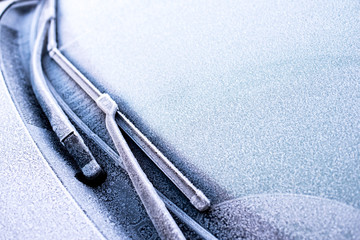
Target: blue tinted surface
(260,97)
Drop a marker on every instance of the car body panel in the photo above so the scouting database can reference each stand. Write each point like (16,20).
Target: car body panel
(33,201)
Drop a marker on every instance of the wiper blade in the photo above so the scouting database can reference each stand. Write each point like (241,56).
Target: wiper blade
(197,197)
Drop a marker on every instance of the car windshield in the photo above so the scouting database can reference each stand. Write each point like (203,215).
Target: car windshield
(241,92)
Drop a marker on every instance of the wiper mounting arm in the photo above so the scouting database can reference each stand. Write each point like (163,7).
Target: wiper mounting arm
(61,125)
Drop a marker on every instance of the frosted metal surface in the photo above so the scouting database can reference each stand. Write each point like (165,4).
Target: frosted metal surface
(34,204)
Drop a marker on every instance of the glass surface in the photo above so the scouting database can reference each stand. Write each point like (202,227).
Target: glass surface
(259,97)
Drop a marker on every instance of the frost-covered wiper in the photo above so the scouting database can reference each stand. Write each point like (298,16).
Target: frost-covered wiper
(191,223)
(61,125)
(160,216)
(197,197)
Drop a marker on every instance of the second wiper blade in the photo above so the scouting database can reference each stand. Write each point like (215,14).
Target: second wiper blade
(196,196)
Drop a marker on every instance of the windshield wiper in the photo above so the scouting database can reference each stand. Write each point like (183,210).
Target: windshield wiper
(161,218)
(154,206)
(61,125)
(191,223)
(197,197)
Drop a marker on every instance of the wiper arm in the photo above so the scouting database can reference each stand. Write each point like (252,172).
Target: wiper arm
(61,125)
